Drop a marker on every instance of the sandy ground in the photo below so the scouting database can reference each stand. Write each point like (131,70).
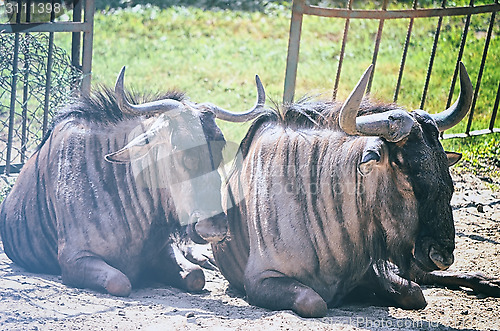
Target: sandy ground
(41,302)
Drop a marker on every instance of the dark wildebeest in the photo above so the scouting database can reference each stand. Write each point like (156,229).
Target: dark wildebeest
(104,216)
(331,197)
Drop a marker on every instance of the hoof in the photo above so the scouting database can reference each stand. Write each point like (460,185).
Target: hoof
(310,304)
(194,280)
(118,284)
(412,298)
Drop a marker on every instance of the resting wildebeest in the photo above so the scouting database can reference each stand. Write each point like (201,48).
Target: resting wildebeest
(104,215)
(328,198)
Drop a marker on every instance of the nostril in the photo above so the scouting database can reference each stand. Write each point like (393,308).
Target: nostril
(442,261)
(212,229)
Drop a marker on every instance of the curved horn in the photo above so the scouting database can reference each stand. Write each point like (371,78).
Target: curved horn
(391,125)
(249,115)
(154,107)
(349,110)
(453,115)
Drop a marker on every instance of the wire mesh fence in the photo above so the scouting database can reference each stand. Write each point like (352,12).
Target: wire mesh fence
(24,109)
(37,76)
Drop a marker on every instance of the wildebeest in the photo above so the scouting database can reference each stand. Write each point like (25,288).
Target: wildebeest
(104,215)
(329,197)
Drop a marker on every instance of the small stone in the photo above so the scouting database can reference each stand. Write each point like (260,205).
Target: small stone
(464,312)
(480,208)
(190,314)
(121,313)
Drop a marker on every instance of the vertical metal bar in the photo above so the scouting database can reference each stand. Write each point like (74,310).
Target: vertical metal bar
(495,110)
(342,53)
(15,62)
(28,11)
(48,76)
(460,54)
(24,127)
(481,69)
(76,36)
(405,54)
(376,48)
(293,50)
(431,60)
(87,47)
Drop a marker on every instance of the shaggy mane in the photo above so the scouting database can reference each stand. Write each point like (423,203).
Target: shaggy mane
(309,114)
(101,107)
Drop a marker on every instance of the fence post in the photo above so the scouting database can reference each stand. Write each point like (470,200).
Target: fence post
(88,37)
(293,50)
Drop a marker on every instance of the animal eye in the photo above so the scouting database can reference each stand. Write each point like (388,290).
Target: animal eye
(190,161)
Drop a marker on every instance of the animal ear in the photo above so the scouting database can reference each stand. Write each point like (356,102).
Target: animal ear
(134,150)
(142,144)
(453,158)
(368,161)
(372,154)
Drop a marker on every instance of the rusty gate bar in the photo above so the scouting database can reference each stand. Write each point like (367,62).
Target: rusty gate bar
(398,14)
(342,53)
(405,54)
(459,57)
(495,110)
(76,36)
(88,41)
(480,74)
(48,76)
(376,48)
(431,59)
(46,27)
(300,8)
(81,58)
(293,50)
(13,91)
(24,115)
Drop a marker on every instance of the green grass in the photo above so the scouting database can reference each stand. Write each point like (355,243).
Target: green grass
(480,155)
(213,55)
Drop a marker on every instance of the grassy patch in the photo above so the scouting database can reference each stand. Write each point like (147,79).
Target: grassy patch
(480,155)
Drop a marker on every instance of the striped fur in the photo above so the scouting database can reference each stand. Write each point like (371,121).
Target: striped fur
(69,205)
(307,218)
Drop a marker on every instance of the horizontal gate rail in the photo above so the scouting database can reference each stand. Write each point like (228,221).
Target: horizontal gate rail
(22,25)
(301,8)
(46,27)
(397,14)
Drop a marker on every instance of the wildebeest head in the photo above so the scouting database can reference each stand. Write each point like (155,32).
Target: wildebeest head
(408,144)
(181,151)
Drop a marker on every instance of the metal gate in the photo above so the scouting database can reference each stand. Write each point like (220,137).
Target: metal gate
(25,120)
(300,8)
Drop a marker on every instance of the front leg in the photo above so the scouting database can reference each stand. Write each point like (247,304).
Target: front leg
(384,280)
(173,268)
(280,293)
(476,281)
(85,270)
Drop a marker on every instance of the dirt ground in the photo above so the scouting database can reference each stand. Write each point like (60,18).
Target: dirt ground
(41,302)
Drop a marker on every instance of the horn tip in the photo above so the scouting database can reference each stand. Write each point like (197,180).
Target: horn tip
(463,70)
(465,82)
(119,80)
(462,67)
(369,69)
(122,72)
(257,80)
